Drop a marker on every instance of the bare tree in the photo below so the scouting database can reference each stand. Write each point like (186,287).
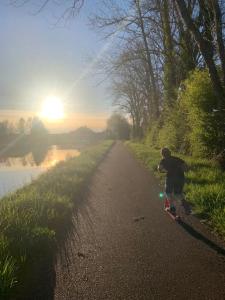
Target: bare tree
(130,88)
(204,38)
(70,7)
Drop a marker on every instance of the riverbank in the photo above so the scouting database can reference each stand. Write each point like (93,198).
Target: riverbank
(36,218)
(205,184)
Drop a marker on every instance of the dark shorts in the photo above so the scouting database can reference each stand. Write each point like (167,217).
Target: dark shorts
(174,185)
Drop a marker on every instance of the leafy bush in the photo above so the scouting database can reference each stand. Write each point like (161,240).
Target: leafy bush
(191,125)
(174,133)
(198,100)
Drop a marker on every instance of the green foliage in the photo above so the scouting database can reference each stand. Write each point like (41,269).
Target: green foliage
(7,276)
(205,183)
(36,217)
(174,133)
(152,135)
(198,100)
(171,131)
(7,269)
(191,126)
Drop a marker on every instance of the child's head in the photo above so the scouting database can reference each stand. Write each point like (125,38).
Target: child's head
(165,152)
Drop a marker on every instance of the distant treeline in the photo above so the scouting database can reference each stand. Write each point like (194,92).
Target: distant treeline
(36,139)
(22,126)
(79,138)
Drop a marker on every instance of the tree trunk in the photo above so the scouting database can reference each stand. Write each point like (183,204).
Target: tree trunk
(219,34)
(149,61)
(169,65)
(206,50)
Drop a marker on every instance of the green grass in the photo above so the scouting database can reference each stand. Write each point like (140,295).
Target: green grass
(34,219)
(205,183)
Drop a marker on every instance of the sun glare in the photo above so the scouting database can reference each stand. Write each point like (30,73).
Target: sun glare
(52,109)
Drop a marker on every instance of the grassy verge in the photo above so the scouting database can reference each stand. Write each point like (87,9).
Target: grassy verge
(205,183)
(35,218)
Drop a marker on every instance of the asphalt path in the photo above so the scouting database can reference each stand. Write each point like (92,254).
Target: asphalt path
(124,246)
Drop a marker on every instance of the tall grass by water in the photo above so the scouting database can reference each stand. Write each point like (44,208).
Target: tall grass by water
(35,218)
(205,183)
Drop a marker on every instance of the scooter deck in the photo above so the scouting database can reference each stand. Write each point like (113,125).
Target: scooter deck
(175,217)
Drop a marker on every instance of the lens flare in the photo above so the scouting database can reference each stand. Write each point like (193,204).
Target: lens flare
(161,195)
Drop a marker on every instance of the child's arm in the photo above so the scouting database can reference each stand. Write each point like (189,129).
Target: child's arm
(161,168)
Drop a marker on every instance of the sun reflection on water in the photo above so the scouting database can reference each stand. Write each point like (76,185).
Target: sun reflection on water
(53,156)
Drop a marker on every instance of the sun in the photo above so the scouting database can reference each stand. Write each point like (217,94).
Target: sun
(52,109)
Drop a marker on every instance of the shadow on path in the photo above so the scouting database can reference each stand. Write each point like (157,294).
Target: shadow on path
(196,234)
(40,285)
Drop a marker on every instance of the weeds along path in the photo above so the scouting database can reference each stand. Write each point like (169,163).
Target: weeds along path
(125,247)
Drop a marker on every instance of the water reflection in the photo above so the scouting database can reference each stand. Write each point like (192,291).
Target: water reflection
(41,157)
(16,171)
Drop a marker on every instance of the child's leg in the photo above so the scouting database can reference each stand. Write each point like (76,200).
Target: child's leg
(167,202)
(170,184)
(178,198)
(168,193)
(178,193)
(173,204)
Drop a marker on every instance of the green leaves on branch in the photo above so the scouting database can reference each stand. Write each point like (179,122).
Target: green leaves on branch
(192,125)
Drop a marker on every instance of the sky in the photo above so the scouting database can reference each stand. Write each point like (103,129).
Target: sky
(39,58)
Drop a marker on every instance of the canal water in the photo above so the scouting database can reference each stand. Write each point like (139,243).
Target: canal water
(16,171)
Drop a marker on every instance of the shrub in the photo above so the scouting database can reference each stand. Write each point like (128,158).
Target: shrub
(191,125)
(171,130)
(174,132)
(198,100)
